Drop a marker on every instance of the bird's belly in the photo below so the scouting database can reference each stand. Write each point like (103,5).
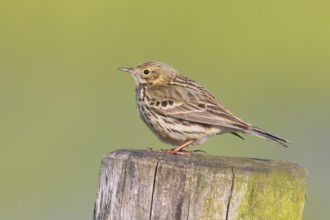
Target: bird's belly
(177,132)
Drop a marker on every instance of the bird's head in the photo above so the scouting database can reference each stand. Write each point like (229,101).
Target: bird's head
(151,73)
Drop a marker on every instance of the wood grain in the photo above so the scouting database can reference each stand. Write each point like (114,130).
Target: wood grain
(140,184)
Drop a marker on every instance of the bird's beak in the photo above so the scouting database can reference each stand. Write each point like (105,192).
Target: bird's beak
(129,70)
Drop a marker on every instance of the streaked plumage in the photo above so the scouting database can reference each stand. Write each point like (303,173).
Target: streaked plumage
(182,112)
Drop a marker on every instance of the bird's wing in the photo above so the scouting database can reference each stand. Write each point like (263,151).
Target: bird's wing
(192,104)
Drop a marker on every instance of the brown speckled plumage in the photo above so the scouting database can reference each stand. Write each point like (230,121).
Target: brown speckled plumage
(180,111)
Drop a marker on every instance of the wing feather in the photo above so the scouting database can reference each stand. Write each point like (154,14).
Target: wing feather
(193,105)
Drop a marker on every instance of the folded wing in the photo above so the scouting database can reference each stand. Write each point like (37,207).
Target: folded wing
(192,105)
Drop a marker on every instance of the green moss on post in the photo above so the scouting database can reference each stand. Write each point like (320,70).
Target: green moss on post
(277,194)
(136,184)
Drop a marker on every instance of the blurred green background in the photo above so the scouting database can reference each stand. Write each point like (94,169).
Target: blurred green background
(64,103)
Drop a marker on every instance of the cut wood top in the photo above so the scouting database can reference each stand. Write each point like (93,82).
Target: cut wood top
(209,161)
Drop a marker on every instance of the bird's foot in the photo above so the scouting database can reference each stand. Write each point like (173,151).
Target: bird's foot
(179,150)
(175,152)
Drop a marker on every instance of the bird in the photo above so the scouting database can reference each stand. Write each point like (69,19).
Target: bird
(183,113)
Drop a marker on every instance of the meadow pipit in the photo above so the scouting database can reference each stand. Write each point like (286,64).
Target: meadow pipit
(181,112)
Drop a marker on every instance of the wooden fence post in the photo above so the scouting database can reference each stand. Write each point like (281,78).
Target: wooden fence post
(141,184)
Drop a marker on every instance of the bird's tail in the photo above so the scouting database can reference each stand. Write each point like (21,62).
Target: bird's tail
(266,135)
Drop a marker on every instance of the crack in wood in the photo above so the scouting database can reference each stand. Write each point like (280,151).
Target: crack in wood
(153,189)
(231,192)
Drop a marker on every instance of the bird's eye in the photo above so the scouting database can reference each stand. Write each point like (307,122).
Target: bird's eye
(146,72)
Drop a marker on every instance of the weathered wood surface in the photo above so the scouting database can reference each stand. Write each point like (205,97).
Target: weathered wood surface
(140,184)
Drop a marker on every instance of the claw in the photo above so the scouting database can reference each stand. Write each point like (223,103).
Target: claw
(199,151)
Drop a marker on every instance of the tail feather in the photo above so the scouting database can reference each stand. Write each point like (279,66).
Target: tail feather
(268,136)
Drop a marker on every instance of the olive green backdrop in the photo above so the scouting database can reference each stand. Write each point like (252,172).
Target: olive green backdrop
(64,103)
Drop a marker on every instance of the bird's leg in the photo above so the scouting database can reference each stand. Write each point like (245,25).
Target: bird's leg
(179,149)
